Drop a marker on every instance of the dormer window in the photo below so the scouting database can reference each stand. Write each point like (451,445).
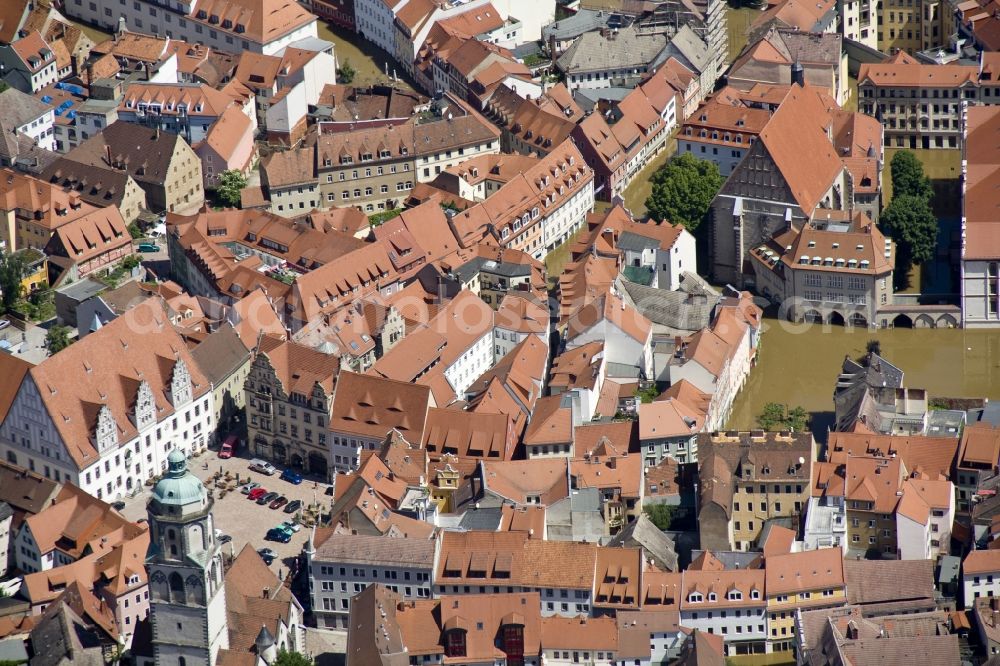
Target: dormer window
(754,594)
(695,598)
(735,595)
(711,596)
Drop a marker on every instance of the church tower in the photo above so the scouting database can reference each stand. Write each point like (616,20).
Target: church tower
(188,599)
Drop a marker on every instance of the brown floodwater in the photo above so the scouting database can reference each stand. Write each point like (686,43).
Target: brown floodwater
(798,364)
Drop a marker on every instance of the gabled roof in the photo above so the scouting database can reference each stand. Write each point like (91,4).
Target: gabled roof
(105,369)
(797,142)
(371,406)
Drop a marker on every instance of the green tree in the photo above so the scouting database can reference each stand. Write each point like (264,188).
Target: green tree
(231,182)
(662,515)
(57,339)
(345,73)
(683,190)
(286,658)
(873,347)
(797,419)
(772,417)
(777,416)
(908,177)
(134,231)
(909,221)
(647,394)
(12,271)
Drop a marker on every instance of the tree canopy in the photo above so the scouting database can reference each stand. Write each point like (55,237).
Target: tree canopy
(286,658)
(231,182)
(908,177)
(909,221)
(12,271)
(346,73)
(661,515)
(683,191)
(57,339)
(777,416)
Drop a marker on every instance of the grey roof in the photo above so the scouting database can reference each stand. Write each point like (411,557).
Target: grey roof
(988,413)
(378,550)
(585,499)
(676,309)
(633,242)
(12,651)
(220,354)
(487,518)
(881,581)
(588,98)
(585,20)
(655,544)
(945,422)
(692,48)
(17,108)
(84,178)
(82,290)
(593,51)
(62,637)
(948,567)
(857,381)
(469,269)
(622,371)
(730,559)
(6,511)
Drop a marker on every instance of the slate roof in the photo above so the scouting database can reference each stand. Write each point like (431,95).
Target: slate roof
(595,52)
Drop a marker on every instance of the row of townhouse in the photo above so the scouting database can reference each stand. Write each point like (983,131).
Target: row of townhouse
(882,495)
(752,610)
(104,413)
(919,104)
(534,210)
(258,26)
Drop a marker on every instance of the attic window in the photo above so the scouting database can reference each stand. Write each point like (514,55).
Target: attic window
(695,597)
(202,14)
(227,24)
(711,596)
(735,595)
(213,19)
(240,28)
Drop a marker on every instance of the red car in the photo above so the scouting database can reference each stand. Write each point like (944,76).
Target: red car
(257,493)
(229,446)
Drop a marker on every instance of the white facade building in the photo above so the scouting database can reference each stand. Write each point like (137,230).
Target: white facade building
(109,377)
(826,523)
(728,603)
(345,564)
(980,575)
(270,25)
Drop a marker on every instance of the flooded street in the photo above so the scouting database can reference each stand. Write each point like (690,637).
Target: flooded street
(368,60)
(799,366)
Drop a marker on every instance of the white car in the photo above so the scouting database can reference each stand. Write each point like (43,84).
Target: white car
(295,527)
(262,466)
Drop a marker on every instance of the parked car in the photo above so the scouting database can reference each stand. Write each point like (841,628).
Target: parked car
(248,488)
(279,502)
(267,555)
(4,323)
(262,466)
(118,506)
(284,528)
(229,447)
(288,525)
(291,476)
(149,247)
(279,535)
(293,506)
(267,499)
(224,538)
(257,493)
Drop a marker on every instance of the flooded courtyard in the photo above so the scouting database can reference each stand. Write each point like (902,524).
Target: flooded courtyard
(798,365)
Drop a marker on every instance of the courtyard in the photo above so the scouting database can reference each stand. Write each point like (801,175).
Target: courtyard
(242,519)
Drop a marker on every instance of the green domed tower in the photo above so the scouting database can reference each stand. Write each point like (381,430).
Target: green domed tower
(188,600)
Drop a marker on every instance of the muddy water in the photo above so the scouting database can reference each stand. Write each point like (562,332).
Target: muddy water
(798,365)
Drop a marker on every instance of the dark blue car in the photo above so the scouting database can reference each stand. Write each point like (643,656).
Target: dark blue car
(291,476)
(281,536)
